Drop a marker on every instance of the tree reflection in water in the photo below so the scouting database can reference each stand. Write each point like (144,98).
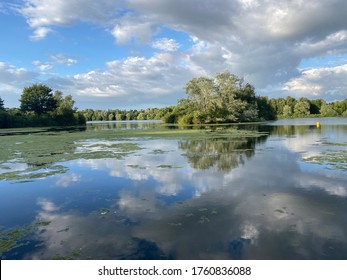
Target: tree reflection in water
(223,153)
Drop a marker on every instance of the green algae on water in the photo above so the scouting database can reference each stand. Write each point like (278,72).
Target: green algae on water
(102,213)
(168,166)
(42,223)
(6,245)
(29,154)
(12,238)
(76,254)
(336,160)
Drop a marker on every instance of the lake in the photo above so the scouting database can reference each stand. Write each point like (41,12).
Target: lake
(143,190)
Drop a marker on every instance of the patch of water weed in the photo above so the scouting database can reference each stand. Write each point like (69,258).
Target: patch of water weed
(336,160)
(107,147)
(198,133)
(168,166)
(33,172)
(39,150)
(76,254)
(42,223)
(136,166)
(38,153)
(334,144)
(102,212)
(13,238)
(15,233)
(6,245)
(158,152)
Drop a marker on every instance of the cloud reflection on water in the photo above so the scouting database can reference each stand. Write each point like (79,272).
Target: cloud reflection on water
(267,208)
(251,199)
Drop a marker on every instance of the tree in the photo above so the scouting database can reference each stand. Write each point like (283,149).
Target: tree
(37,98)
(287,111)
(1,104)
(290,101)
(58,96)
(315,106)
(327,110)
(64,113)
(4,117)
(119,117)
(110,117)
(88,114)
(302,107)
(266,107)
(201,93)
(141,117)
(339,106)
(344,113)
(65,106)
(280,103)
(222,99)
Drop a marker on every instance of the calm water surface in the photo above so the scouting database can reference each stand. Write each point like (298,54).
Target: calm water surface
(146,191)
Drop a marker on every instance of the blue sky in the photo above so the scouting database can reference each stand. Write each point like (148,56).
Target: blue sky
(137,53)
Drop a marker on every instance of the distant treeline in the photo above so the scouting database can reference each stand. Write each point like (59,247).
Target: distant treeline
(39,106)
(222,99)
(268,109)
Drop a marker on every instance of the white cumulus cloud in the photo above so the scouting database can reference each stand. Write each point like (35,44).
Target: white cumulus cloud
(165,44)
(326,82)
(262,41)
(41,15)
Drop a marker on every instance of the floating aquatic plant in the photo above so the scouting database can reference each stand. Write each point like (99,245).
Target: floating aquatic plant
(336,160)
(12,238)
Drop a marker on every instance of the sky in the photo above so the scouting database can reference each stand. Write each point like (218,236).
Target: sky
(134,54)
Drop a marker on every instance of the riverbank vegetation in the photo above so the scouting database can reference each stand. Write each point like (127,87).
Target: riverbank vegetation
(263,109)
(222,99)
(39,106)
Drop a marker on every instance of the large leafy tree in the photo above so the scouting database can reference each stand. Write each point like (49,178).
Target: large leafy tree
(223,99)
(37,98)
(201,92)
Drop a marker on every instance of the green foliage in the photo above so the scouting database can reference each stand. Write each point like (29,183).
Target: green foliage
(37,98)
(4,119)
(64,113)
(225,99)
(13,238)
(287,111)
(40,107)
(328,111)
(315,106)
(1,104)
(222,99)
(267,108)
(141,116)
(302,107)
